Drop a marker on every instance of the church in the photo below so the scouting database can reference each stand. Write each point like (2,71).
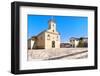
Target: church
(46,39)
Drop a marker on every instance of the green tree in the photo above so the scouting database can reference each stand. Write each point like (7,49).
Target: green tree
(81,43)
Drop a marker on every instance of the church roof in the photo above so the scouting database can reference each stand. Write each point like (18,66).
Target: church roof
(46,31)
(41,32)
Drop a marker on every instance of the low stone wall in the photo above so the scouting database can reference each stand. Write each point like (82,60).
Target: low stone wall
(58,53)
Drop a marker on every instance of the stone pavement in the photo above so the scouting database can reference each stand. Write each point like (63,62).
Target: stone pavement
(57,53)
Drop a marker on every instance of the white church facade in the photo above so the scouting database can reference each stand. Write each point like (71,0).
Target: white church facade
(47,39)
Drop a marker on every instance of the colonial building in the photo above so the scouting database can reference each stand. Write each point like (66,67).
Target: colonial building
(75,41)
(47,39)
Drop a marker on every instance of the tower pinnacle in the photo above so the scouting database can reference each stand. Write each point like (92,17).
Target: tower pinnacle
(52,24)
(52,18)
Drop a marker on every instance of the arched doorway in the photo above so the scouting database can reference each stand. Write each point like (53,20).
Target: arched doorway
(53,44)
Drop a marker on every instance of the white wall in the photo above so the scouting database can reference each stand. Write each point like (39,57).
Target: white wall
(76,43)
(30,44)
(5,50)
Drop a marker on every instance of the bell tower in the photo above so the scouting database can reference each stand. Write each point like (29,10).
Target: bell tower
(52,24)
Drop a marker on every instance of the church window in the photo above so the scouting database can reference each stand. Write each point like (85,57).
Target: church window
(48,37)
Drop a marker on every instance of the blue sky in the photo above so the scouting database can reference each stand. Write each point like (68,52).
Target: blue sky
(67,26)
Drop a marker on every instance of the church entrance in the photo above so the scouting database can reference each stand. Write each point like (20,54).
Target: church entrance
(53,44)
